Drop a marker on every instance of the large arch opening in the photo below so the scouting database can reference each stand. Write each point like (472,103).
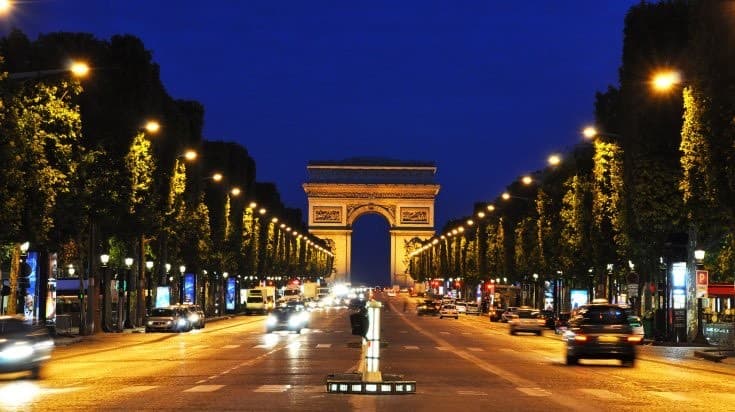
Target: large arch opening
(370,263)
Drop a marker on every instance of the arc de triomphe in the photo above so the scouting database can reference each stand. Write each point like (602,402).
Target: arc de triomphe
(339,192)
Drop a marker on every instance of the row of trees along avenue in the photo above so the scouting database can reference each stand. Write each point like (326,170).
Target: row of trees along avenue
(80,177)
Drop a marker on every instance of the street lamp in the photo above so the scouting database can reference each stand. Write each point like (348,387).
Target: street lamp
(701,280)
(152,126)
(149,281)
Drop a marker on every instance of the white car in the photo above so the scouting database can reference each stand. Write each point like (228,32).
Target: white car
(448,310)
(637,325)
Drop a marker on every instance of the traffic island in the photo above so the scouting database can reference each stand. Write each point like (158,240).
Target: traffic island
(714,355)
(369,380)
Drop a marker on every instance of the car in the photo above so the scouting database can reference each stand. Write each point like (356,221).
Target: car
(473,309)
(549,318)
(561,322)
(526,320)
(461,306)
(448,310)
(168,319)
(289,318)
(510,310)
(495,314)
(637,325)
(427,308)
(24,347)
(600,331)
(196,316)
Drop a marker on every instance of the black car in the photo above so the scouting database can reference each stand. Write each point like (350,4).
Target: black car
(23,346)
(427,308)
(600,331)
(549,318)
(561,322)
(290,318)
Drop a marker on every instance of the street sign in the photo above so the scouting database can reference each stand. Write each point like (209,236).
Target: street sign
(702,283)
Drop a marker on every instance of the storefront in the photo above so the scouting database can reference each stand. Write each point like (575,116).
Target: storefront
(719,314)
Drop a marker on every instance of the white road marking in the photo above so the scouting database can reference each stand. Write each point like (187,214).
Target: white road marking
(472,393)
(444,333)
(137,389)
(323,345)
(230,346)
(466,333)
(338,331)
(535,391)
(403,331)
(506,350)
(442,348)
(273,388)
(204,388)
(262,347)
(602,394)
(411,347)
(476,349)
(673,396)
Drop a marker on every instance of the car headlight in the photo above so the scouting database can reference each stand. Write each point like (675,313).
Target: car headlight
(294,320)
(181,321)
(18,350)
(194,317)
(271,320)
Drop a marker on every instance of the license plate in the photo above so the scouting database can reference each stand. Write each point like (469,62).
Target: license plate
(607,339)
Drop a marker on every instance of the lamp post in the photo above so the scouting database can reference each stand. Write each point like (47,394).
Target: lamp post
(180,284)
(149,284)
(106,298)
(124,301)
(535,288)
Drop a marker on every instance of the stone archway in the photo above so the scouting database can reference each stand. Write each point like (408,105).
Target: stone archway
(403,193)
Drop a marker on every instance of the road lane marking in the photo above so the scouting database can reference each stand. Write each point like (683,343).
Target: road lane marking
(476,349)
(272,388)
(534,391)
(262,346)
(444,333)
(230,346)
(137,389)
(323,345)
(204,388)
(442,348)
(466,333)
(673,396)
(410,347)
(507,350)
(472,393)
(602,394)
(403,331)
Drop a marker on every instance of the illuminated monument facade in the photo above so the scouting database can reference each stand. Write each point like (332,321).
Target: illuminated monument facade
(339,192)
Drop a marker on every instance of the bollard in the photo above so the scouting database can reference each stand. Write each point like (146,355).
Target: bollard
(371,344)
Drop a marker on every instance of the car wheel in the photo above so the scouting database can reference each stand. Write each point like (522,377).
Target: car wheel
(456,317)
(628,362)
(538,333)
(512,332)
(441,317)
(36,373)
(572,360)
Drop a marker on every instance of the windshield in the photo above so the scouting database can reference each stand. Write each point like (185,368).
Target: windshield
(255,299)
(602,315)
(291,292)
(162,312)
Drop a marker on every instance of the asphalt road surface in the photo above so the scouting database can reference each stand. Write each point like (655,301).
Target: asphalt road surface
(468,364)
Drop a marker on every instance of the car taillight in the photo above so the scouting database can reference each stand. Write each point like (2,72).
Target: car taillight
(580,338)
(635,339)
(541,321)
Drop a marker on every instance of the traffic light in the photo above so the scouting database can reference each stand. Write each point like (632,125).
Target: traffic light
(359,323)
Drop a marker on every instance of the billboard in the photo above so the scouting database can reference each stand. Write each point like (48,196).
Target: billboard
(578,298)
(230,295)
(189,288)
(30,294)
(163,296)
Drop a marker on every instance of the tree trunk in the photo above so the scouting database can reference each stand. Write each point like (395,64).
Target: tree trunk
(14,272)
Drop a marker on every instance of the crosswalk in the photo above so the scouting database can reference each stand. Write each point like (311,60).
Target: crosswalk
(598,394)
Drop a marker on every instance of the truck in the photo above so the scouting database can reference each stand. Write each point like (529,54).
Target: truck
(260,299)
(309,290)
(291,292)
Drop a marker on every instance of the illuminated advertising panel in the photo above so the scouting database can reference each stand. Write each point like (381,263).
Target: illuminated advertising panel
(578,297)
(30,306)
(163,296)
(230,298)
(679,275)
(189,288)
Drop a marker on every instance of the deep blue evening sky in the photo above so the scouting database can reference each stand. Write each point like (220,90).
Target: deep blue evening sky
(485,89)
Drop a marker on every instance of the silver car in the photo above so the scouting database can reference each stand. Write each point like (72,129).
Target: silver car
(527,320)
(23,346)
(168,319)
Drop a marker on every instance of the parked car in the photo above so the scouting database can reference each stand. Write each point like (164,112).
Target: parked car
(600,331)
(549,318)
(168,319)
(495,314)
(448,310)
(461,306)
(509,311)
(561,322)
(23,346)
(290,318)
(473,309)
(526,320)
(196,316)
